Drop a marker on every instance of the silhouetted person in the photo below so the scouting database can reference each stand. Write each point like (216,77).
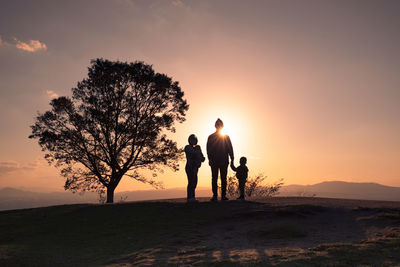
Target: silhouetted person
(241,174)
(194,158)
(219,148)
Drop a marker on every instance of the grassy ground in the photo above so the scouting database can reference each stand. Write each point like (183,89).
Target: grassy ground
(219,234)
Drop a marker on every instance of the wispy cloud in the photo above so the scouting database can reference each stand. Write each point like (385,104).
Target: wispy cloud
(51,94)
(177,3)
(10,166)
(31,46)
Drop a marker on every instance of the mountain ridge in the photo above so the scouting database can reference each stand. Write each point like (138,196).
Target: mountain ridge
(13,198)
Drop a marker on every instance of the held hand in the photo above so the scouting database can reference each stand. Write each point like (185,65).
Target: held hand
(232,166)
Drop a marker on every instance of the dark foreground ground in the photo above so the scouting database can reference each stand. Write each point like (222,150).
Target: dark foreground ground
(290,231)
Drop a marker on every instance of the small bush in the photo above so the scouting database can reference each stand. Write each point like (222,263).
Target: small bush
(255,187)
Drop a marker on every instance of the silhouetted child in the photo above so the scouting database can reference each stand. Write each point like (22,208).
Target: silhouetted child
(241,174)
(194,158)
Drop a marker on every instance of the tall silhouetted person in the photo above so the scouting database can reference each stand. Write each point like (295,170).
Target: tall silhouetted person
(194,158)
(241,174)
(219,148)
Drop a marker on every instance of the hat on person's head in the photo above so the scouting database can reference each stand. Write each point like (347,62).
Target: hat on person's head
(219,124)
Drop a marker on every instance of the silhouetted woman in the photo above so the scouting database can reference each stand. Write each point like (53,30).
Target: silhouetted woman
(194,158)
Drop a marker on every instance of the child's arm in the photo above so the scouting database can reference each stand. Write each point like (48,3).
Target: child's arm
(233,167)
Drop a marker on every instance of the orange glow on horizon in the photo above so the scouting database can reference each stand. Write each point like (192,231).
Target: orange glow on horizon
(298,105)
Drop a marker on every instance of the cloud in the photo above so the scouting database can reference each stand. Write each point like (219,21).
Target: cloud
(11,166)
(31,46)
(51,94)
(8,166)
(178,3)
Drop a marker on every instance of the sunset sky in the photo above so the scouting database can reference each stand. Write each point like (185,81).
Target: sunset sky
(309,91)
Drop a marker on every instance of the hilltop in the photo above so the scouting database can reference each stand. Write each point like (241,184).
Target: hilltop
(277,231)
(11,198)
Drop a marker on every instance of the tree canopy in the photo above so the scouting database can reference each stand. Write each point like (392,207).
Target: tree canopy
(114,124)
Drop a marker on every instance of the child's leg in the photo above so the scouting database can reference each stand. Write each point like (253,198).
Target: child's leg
(241,187)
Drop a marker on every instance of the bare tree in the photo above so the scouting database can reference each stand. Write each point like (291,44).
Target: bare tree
(114,124)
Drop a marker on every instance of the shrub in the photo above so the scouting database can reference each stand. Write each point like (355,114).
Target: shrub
(255,187)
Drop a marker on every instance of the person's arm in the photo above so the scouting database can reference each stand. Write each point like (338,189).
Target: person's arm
(209,150)
(201,155)
(233,167)
(229,147)
(190,153)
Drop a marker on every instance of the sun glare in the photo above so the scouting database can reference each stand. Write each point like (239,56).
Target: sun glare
(230,130)
(223,131)
(235,126)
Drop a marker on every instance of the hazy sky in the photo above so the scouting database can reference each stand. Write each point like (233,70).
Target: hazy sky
(308,90)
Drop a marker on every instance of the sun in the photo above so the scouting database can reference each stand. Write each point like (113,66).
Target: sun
(235,126)
(230,130)
(223,131)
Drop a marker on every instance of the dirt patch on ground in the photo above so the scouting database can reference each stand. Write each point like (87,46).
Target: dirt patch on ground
(277,231)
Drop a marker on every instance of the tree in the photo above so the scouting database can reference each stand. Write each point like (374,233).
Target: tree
(114,125)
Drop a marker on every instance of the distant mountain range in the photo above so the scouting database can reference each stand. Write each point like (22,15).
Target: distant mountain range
(338,189)
(11,198)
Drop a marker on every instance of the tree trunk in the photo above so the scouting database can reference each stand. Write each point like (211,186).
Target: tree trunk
(110,194)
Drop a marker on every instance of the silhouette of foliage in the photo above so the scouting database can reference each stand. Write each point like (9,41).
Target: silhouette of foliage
(232,186)
(114,124)
(255,187)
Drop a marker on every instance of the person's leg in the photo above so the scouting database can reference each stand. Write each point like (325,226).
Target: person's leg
(214,174)
(192,181)
(195,178)
(189,186)
(241,187)
(214,180)
(224,172)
